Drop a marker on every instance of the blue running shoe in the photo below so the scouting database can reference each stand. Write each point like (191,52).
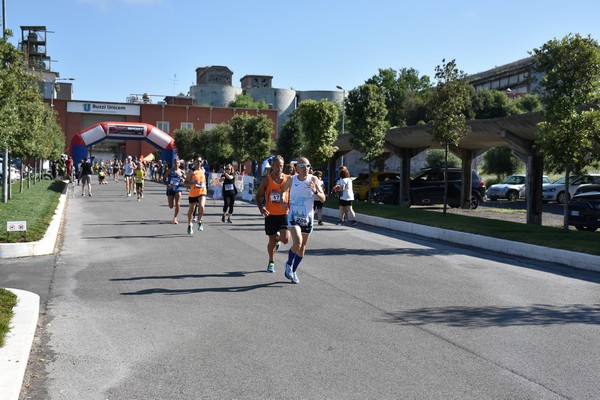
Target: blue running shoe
(271,267)
(288,271)
(277,245)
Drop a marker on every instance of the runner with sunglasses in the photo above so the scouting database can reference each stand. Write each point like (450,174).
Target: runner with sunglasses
(304,190)
(271,200)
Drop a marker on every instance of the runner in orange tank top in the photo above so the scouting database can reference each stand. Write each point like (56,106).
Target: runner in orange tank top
(196,181)
(272,203)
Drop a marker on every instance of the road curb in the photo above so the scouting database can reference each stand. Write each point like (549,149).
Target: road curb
(44,246)
(15,353)
(540,253)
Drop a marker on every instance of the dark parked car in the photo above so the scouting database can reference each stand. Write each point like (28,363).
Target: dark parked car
(427,187)
(593,187)
(584,211)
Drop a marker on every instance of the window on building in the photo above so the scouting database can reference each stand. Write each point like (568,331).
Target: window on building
(187,125)
(163,126)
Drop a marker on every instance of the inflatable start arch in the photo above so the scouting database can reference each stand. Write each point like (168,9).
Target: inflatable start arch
(122,131)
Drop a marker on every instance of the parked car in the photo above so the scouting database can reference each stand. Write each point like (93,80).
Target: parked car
(14,174)
(584,211)
(592,187)
(557,193)
(427,188)
(360,185)
(512,189)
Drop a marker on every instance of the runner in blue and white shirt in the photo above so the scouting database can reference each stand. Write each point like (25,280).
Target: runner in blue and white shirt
(174,181)
(304,189)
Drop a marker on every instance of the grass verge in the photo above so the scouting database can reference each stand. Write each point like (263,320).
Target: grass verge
(35,205)
(7,301)
(582,242)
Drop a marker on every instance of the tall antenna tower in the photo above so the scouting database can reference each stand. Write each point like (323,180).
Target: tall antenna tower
(174,81)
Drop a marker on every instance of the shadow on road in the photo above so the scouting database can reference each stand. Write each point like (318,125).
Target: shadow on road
(487,317)
(230,289)
(233,274)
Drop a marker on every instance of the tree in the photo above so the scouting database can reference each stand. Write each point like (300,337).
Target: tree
(366,112)
(528,103)
(28,127)
(245,100)
(291,140)
(448,103)
(403,92)
(318,121)
(218,149)
(184,139)
(489,104)
(251,137)
(571,68)
(500,161)
(436,158)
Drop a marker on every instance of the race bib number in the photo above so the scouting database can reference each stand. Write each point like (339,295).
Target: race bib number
(275,197)
(228,186)
(301,221)
(139,180)
(300,218)
(200,185)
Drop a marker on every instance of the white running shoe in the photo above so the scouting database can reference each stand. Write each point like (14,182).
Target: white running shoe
(288,271)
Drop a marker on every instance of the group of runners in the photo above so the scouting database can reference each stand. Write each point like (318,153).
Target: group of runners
(287,201)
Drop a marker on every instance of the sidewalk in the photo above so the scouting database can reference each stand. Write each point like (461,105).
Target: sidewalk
(14,355)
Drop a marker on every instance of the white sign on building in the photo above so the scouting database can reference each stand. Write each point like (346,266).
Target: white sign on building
(88,107)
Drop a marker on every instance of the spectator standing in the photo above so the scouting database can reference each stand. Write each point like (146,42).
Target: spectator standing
(86,177)
(69,166)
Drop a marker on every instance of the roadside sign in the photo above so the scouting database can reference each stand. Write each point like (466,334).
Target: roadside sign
(16,226)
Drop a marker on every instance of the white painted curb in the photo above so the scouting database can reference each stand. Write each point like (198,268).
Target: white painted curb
(539,253)
(17,346)
(41,247)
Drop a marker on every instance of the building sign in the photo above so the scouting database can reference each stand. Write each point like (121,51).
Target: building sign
(125,130)
(103,108)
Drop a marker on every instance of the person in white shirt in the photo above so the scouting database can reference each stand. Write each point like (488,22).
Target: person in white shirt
(128,169)
(304,189)
(344,187)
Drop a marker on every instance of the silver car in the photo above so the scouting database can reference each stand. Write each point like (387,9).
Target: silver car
(512,189)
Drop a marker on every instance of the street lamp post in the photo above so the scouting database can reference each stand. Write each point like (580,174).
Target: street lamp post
(343,114)
(54,88)
(5,164)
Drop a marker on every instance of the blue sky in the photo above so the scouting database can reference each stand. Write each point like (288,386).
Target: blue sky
(114,48)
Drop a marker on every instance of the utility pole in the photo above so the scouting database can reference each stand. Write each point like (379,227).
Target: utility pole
(5,166)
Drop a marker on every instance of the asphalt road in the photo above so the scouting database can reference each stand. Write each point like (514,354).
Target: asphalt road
(137,309)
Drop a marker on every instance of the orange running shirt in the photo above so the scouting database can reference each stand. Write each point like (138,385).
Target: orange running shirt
(274,196)
(198,187)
